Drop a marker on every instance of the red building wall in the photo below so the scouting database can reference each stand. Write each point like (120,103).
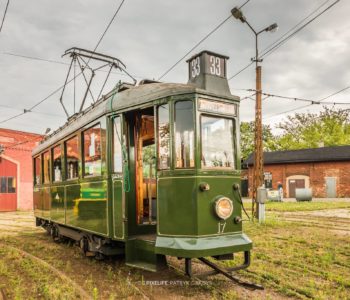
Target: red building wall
(17,148)
(316,172)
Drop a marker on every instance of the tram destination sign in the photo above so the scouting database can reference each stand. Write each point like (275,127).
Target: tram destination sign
(209,63)
(217,107)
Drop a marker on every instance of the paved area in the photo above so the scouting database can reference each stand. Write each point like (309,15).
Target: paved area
(313,199)
(13,223)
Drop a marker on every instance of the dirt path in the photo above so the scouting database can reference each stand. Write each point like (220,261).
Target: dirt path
(109,279)
(335,220)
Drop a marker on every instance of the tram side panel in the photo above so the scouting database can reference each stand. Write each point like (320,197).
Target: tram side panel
(58,213)
(86,206)
(38,202)
(176,206)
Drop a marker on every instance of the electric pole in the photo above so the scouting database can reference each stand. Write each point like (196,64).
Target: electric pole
(258,171)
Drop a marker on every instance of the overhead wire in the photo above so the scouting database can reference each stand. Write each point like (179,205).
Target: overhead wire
(198,43)
(36,112)
(61,87)
(3,17)
(303,99)
(59,62)
(279,44)
(276,44)
(296,25)
(304,106)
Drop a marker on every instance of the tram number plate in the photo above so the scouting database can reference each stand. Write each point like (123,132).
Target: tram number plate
(221,227)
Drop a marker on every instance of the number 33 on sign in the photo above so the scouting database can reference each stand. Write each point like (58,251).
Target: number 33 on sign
(213,65)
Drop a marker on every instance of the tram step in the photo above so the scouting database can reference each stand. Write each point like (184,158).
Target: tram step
(140,254)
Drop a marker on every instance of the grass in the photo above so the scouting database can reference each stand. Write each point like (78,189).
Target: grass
(299,261)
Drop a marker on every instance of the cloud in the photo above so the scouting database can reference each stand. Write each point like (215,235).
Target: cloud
(150,36)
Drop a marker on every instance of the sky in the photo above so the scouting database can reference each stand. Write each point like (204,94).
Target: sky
(150,36)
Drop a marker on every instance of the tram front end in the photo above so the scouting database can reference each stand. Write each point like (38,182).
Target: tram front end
(199,207)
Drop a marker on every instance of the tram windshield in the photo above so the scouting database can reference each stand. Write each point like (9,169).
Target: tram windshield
(217,142)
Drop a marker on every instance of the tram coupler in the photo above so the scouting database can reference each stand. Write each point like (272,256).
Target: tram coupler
(227,272)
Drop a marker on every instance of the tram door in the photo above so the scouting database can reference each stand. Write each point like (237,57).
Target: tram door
(145,163)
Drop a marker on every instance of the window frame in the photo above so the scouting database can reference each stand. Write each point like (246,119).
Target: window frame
(41,169)
(122,139)
(82,148)
(75,135)
(173,138)
(170,136)
(52,163)
(3,178)
(13,179)
(233,141)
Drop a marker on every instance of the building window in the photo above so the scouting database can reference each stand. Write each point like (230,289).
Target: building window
(92,151)
(37,170)
(57,163)
(3,182)
(72,158)
(268,180)
(163,137)
(7,185)
(184,134)
(117,146)
(46,160)
(11,185)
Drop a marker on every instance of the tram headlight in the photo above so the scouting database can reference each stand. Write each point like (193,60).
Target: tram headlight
(223,208)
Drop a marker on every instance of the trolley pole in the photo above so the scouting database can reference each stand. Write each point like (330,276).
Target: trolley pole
(258,171)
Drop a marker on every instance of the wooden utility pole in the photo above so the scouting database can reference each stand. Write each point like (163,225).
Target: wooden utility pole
(258,172)
(258,177)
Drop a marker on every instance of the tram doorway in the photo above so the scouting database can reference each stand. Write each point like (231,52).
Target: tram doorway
(145,158)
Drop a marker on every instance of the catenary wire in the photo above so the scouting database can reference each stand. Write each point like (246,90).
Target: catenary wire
(304,106)
(61,87)
(274,45)
(36,112)
(3,18)
(303,99)
(198,43)
(60,62)
(279,44)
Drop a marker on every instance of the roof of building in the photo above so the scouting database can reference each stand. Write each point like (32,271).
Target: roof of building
(18,140)
(324,154)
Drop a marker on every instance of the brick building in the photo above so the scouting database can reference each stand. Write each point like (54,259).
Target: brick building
(326,170)
(16,176)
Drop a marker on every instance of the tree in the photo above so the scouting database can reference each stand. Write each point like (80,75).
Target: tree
(247,139)
(331,127)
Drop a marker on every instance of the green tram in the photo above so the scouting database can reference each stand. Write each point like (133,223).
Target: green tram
(149,171)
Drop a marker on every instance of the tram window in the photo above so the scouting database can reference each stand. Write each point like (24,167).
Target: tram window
(37,170)
(184,134)
(163,137)
(72,158)
(117,146)
(46,159)
(57,163)
(217,142)
(92,151)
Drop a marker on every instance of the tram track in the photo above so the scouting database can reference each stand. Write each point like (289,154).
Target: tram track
(80,291)
(83,294)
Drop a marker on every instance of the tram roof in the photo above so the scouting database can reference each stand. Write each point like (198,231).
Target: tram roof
(124,100)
